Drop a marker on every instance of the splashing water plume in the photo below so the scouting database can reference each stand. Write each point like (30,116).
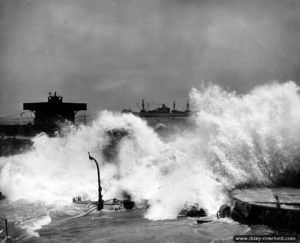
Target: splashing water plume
(250,139)
(35,224)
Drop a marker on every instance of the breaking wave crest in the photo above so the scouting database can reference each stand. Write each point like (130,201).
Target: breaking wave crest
(233,140)
(34,224)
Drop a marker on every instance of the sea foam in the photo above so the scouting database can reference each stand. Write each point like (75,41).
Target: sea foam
(251,139)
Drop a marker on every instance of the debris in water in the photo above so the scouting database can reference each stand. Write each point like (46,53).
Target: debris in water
(192,210)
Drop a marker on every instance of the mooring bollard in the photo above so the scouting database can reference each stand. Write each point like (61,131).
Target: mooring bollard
(224,211)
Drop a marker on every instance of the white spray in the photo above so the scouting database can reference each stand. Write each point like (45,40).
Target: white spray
(250,139)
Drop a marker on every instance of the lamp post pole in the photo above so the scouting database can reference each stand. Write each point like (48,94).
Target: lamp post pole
(100,201)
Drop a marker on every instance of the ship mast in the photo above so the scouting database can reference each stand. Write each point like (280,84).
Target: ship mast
(187,106)
(143,105)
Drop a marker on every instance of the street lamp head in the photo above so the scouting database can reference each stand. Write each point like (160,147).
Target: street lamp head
(90,157)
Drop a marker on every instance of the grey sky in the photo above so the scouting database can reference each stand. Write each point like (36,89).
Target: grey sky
(111,54)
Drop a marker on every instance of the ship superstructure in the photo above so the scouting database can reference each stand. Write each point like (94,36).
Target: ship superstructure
(163,111)
(48,117)
(50,114)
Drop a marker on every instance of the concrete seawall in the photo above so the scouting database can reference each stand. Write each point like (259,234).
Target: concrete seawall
(275,207)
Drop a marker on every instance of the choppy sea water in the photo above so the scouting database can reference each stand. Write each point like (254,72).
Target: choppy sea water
(39,223)
(229,141)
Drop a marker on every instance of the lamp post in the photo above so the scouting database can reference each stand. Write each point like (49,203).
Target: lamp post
(100,201)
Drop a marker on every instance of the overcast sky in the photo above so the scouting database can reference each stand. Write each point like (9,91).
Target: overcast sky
(111,54)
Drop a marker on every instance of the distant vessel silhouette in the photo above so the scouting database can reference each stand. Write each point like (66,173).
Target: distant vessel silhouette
(162,111)
(48,117)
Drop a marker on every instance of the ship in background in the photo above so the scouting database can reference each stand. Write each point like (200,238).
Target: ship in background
(48,118)
(160,112)
(51,114)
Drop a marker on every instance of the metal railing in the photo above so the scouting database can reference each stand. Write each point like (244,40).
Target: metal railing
(6,238)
